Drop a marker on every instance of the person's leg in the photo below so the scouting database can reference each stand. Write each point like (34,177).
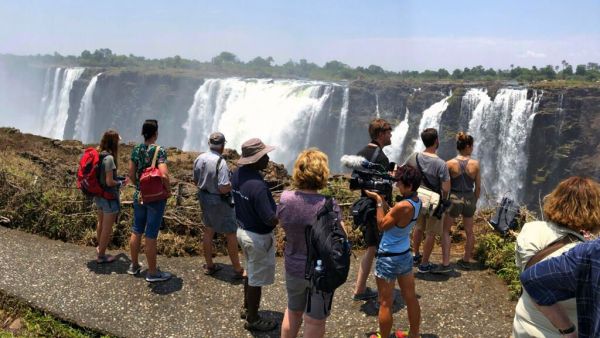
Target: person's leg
(407,288)
(155,213)
(292,320)
(428,247)
(470,244)
(253,299)
(313,327)
(107,227)
(207,246)
(417,239)
(364,269)
(232,249)
(447,225)
(100,215)
(385,290)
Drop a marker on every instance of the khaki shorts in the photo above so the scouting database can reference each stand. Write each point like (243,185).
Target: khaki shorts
(259,253)
(429,224)
(298,293)
(463,203)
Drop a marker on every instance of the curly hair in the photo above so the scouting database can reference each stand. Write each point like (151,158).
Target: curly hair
(409,176)
(110,143)
(311,170)
(575,204)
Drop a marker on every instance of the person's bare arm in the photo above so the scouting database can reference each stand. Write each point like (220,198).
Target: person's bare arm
(399,215)
(132,170)
(164,171)
(557,315)
(478,182)
(445,189)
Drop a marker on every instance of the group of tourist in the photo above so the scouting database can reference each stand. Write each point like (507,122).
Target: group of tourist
(240,206)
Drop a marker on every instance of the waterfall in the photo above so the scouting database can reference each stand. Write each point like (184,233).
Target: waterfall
(394,150)
(282,113)
(83,124)
(377,113)
(52,106)
(431,118)
(500,129)
(44,100)
(56,115)
(340,141)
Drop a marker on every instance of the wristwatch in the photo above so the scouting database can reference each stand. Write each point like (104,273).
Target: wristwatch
(567,331)
(380,204)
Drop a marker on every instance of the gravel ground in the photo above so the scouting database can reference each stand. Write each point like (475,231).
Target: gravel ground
(64,280)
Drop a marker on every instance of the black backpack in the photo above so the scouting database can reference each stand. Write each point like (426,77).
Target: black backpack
(327,241)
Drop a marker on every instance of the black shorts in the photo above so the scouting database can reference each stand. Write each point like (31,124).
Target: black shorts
(371,235)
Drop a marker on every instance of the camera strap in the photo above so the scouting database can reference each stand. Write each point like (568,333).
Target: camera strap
(375,154)
(217,174)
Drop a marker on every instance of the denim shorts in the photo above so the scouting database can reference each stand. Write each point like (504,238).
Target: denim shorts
(107,206)
(390,268)
(147,218)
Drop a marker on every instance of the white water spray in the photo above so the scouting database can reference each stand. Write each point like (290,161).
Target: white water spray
(394,150)
(58,110)
(431,118)
(83,125)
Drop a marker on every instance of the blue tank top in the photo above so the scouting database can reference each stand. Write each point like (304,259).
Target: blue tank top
(397,239)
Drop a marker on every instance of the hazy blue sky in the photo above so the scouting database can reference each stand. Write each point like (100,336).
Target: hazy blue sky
(394,34)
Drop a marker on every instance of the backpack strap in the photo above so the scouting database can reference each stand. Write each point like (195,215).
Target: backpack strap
(425,179)
(552,247)
(375,154)
(155,156)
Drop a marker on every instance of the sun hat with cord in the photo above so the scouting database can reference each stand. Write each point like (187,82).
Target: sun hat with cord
(253,150)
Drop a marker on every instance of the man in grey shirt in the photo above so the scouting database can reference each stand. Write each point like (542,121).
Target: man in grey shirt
(437,178)
(211,175)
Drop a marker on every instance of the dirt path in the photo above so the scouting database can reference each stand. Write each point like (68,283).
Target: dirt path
(64,280)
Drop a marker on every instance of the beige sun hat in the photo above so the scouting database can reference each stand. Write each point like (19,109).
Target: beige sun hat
(253,150)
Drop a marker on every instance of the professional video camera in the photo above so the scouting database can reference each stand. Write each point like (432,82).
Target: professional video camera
(369,176)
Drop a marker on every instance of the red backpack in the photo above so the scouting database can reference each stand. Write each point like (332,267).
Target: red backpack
(88,175)
(152,188)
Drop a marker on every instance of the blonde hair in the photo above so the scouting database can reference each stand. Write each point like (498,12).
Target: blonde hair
(575,204)
(311,170)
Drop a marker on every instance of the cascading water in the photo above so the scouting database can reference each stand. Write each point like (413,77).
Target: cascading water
(280,112)
(431,118)
(377,113)
(56,115)
(340,142)
(500,129)
(394,150)
(83,123)
(50,110)
(45,97)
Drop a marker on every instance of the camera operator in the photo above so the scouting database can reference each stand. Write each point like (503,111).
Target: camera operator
(380,132)
(436,177)
(211,175)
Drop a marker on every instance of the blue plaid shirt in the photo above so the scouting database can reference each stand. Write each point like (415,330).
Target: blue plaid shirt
(576,273)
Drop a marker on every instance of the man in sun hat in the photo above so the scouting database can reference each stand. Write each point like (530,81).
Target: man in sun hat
(255,212)
(211,175)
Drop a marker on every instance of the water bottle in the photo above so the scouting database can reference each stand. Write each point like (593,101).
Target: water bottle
(319,268)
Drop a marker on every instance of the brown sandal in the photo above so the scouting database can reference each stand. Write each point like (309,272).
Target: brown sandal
(209,271)
(105,259)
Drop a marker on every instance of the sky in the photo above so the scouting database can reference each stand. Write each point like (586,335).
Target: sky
(397,35)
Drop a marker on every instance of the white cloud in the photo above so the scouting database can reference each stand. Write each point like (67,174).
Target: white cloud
(533,55)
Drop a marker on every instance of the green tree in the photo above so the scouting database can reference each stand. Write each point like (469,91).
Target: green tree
(224,58)
(580,70)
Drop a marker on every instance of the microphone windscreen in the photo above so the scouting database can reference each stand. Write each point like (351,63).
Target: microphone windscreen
(353,161)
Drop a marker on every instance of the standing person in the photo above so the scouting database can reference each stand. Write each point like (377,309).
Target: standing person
(147,217)
(572,211)
(465,187)
(380,132)
(211,175)
(435,176)
(394,258)
(574,274)
(108,209)
(255,211)
(297,209)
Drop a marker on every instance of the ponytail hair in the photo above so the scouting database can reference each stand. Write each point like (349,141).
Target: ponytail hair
(149,129)
(463,140)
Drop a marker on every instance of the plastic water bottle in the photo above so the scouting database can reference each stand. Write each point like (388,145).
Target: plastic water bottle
(319,268)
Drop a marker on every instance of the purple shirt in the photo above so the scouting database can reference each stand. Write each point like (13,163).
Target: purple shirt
(296,210)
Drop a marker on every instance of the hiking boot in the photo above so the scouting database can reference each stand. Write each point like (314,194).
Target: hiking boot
(442,269)
(134,269)
(160,276)
(365,295)
(425,268)
(417,259)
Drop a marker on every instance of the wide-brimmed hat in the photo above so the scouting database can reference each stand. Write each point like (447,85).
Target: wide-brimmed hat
(253,150)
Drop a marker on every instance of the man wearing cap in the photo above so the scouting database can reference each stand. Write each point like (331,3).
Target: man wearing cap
(211,175)
(255,212)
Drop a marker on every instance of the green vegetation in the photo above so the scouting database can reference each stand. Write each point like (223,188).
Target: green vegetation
(34,323)
(228,64)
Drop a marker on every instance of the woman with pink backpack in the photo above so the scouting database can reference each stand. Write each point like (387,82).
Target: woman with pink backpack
(148,171)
